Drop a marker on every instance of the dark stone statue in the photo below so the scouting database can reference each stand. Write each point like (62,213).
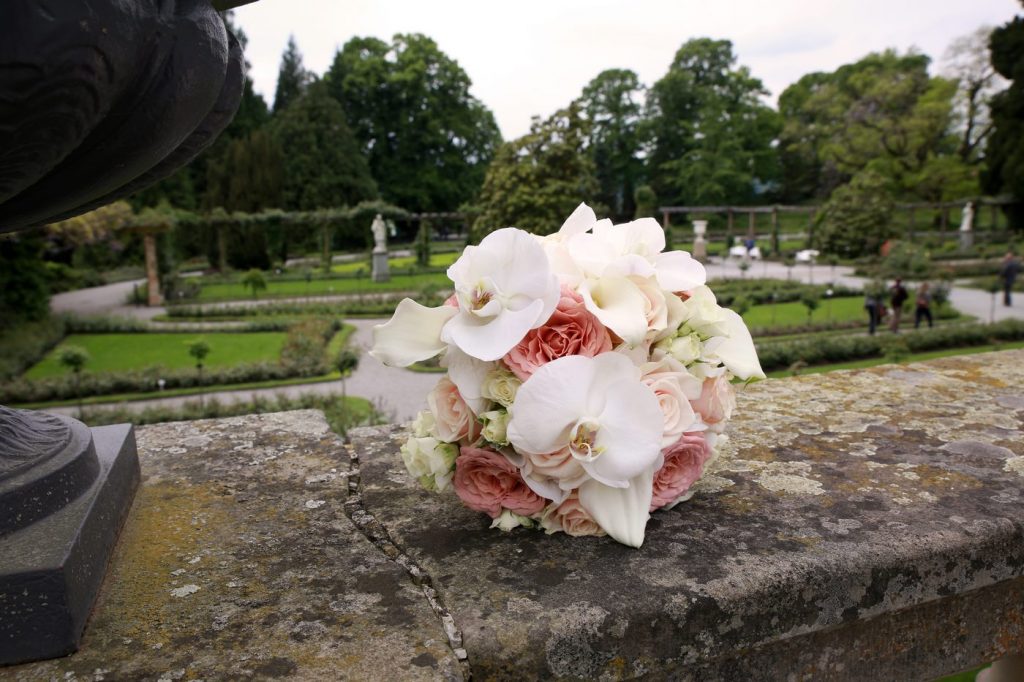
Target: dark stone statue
(98,100)
(101,99)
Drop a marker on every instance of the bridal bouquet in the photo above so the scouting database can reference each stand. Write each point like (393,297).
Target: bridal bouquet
(589,375)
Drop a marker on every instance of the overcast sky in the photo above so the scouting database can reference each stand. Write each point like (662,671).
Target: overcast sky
(531,57)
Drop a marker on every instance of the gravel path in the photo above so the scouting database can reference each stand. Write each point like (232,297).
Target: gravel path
(400,393)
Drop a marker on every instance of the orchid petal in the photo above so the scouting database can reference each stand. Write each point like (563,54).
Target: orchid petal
(619,305)
(678,271)
(630,435)
(468,374)
(548,404)
(591,253)
(546,488)
(412,334)
(621,512)
(644,236)
(581,220)
(491,339)
(736,350)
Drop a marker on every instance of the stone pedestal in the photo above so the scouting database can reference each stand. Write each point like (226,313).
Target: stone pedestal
(59,520)
(380,267)
(966,240)
(700,245)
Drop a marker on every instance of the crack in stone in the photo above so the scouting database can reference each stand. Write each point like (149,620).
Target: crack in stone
(377,534)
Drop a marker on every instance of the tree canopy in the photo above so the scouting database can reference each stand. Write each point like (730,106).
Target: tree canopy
(426,139)
(883,113)
(292,77)
(613,105)
(1005,149)
(536,181)
(322,166)
(709,133)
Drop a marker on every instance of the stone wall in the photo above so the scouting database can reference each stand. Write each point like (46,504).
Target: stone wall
(857,525)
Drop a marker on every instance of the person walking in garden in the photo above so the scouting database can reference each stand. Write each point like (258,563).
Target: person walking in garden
(1008,273)
(873,304)
(923,307)
(897,296)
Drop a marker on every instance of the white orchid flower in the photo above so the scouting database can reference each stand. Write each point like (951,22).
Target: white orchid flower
(621,265)
(505,288)
(735,349)
(612,424)
(582,220)
(412,334)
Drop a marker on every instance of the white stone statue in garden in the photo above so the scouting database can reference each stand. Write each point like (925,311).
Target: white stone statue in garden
(380,235)
(967,221)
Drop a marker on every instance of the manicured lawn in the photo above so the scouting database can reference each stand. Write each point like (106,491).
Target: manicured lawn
(233,291)
(127,352)
(794,313)
(437,260)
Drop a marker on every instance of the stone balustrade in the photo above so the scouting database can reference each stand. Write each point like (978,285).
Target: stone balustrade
(857,525)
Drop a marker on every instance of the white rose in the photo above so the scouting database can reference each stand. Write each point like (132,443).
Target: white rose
(509,520)
(702,315)
(424,424)
(430,461)
(686,349)
(495,426)
(501,386)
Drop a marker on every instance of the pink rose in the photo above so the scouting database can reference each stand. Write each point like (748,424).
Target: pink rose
(684,464)
(571,330)
(560,466)
(672,385)
(571,518)
(453,420)
(717,400)
(486,481)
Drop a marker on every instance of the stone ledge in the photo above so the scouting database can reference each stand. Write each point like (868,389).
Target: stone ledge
(859,524)
(238,561)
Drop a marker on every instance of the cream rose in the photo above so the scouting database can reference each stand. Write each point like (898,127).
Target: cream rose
(674,388)
(453,420)
(495,426)
(500,385)
(430,461)
(570,518)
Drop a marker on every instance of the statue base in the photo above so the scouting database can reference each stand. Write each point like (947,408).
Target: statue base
(380,271)
(51,569)
(966,241)
(700,250)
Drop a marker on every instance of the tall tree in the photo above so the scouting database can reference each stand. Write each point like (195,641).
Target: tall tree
(323,166)
(883,113)
(292,77)
(427,139)
(1005,150)
(967,62)
(613,105)
(710,134)
(249,177)
(536,181)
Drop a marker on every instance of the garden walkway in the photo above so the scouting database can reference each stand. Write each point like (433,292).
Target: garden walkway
(401,393)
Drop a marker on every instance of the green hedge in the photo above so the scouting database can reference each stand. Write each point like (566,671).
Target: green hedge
(112,383)
(341,414)
(26,344)
(821,351)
